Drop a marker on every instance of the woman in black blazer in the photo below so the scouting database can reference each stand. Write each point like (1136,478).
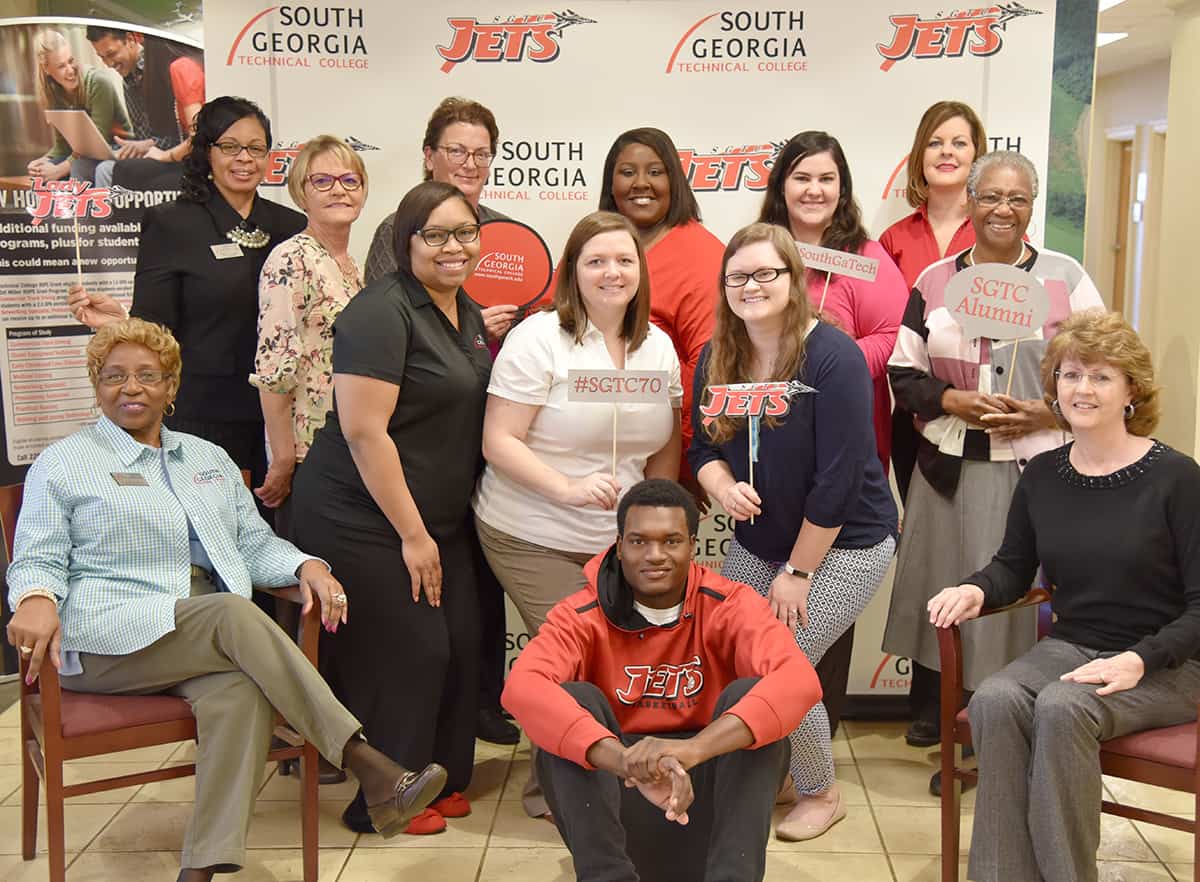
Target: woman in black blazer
(197,273)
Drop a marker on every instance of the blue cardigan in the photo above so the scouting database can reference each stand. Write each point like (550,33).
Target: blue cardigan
(819,463)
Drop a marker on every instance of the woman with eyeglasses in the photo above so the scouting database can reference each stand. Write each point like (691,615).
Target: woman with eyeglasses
(385,496)
(198,265)
(305,283)
(458,149)
(981,416)
(815,520)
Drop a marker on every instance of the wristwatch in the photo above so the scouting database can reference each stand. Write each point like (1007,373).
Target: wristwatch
(792,571)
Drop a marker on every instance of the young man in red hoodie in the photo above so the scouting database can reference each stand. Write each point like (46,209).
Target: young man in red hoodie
(665,676)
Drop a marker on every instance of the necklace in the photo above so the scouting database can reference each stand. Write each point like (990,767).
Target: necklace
(349,271)
(1020,257)
(248,235)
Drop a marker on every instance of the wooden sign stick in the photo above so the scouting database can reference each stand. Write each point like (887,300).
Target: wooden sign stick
(78,259)
(614,449)
(825,290)
(1012,364)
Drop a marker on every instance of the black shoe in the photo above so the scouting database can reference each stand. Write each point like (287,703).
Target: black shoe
(923,733)
(355,816)
(935,785)
(494,728)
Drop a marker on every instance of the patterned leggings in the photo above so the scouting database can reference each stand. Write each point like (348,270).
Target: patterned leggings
(842,586)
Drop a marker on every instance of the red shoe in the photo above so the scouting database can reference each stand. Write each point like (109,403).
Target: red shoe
(453,806)
(426,823)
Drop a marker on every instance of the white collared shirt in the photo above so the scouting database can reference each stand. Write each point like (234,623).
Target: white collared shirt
(573,437)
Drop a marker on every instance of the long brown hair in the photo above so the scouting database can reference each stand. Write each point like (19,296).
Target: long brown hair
(731,354)
(845,231)
(568,302)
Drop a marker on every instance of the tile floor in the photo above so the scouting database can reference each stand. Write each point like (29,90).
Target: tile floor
(890,834)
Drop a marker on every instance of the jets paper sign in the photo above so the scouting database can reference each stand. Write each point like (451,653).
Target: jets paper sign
(997,301)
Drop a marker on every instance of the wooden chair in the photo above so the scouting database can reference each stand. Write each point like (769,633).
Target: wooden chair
(1167,757)
(59,725)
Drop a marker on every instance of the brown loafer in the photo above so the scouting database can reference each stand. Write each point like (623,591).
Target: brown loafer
(413,794)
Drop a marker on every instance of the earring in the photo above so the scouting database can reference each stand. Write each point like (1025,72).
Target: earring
(1129,410)
(169,410)
(1054,407)
(210,177)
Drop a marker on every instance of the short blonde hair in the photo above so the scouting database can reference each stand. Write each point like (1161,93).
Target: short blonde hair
(154,337)
(1094,336)
(318,146)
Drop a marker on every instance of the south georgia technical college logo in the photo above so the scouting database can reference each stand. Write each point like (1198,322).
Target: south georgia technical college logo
(513,38)
(979,31)
(742,41)
(331,37)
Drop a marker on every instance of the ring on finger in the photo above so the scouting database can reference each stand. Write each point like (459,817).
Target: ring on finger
(26,650)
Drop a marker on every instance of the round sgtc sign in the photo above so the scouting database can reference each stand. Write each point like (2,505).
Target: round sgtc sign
(514,265)
(997,301)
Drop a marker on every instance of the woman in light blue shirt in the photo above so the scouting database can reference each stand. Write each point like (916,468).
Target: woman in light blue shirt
(135,553)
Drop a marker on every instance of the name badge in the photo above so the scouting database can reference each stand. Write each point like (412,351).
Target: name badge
(129,479)
(226,250)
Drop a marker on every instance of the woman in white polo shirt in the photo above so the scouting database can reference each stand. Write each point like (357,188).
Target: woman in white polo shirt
(548,496)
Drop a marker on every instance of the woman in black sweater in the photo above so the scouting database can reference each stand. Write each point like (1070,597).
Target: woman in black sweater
(1114,518)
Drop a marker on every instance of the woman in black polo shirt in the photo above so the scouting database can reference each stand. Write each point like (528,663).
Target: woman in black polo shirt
(385,496)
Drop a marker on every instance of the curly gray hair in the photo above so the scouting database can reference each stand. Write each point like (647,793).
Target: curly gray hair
(1009,158)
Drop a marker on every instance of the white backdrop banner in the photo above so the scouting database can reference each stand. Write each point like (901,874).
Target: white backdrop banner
(730,86)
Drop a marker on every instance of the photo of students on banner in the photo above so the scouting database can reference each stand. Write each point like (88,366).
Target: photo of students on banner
(74,102)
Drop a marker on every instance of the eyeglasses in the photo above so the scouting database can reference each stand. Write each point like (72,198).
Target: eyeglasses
(993,200)
(458,154)
(233,148)
(1097,379)
(349,181)
(435,237)
(144,378)
(762,276)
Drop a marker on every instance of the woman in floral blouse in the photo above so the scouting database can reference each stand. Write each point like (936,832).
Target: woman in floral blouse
(305,283)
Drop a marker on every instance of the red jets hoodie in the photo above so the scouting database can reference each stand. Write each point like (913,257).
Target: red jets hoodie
(658,679)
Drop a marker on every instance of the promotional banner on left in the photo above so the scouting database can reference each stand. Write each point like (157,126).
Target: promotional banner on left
(94,121)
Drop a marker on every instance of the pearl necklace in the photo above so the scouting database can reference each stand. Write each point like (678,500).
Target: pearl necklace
(1020,257)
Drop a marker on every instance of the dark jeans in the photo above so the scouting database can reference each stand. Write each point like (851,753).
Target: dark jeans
(492,628)
(616,835)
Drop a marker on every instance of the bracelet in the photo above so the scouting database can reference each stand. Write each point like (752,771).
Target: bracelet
(792,571)
(37,592)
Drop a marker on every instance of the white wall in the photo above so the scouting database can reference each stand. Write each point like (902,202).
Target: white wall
(1127,104)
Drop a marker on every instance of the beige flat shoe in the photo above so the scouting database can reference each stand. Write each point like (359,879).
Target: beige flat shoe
(810,818)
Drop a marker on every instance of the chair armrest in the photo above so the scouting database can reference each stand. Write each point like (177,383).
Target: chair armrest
(951,656)
(310,631)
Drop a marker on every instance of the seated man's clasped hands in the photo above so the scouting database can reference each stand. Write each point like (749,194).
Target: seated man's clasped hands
(135,553)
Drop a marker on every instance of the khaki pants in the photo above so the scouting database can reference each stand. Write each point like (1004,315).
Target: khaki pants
(536,578)
(233,665)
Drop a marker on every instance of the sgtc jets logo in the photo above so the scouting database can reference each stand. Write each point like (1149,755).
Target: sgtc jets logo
(978,31)
(280,160)
(668,682)
(516,38)
(751,399)
(731,169)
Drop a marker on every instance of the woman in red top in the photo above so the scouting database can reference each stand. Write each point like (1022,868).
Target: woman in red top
(949,137)
(644,180)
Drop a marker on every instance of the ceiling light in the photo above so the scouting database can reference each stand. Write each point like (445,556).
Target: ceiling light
(1105,39)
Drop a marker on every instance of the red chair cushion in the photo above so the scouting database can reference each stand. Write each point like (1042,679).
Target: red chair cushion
(87,714)
(1171,746)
